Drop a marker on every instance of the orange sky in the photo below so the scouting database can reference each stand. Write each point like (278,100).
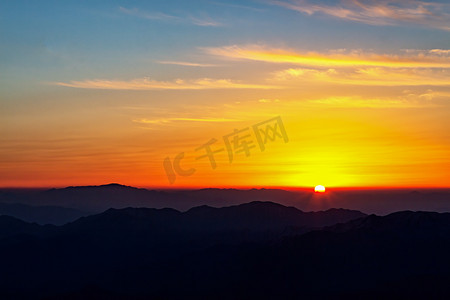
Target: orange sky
(358,111)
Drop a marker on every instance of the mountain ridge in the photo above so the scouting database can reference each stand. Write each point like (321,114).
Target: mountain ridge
(165,253)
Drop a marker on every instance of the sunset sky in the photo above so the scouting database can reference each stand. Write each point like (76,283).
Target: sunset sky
(93,92)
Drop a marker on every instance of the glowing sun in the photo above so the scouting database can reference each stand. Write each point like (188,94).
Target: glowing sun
(319,189)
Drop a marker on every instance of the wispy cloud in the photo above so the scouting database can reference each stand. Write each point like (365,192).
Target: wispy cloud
(184,63)
(148,84)
(367,76)
(169,120)
(360,102)
(406,99)
(264,100)
(399,99)
(422,52)
(147,15)
(238,6)
(440,51)
(159,16)
(338,58)
(377,12)
(204,22)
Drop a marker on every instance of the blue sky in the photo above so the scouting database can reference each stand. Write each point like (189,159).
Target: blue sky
(64,40)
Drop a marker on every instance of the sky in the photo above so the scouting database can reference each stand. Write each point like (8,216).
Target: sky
(264,93)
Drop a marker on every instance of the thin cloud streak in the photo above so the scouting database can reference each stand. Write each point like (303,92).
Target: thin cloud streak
(333,58)
(366,76)
(151,16)
(184,63)
(159,16)
(374,12)
(358,102)
(205,22)
(148,84)
(169,120)
(440,51)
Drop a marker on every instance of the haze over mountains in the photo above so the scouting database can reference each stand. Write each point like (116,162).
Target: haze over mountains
(73,202)
(41,214)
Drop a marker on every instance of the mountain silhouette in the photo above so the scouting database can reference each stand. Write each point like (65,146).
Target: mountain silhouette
(41,214)
(85,200)
(11,226)
(253,250)
(402,255)
(127,240)
(254,217)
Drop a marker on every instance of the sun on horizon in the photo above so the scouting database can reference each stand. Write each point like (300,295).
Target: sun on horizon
(319,189)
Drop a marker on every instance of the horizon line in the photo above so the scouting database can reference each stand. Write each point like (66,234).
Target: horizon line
(237,187)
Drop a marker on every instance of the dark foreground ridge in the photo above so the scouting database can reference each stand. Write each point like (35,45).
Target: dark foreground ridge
(255,250)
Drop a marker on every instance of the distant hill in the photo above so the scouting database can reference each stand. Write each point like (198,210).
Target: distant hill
(251,218)
(12,227)
(41,214)
(259,215)
(96,199)
(100,198)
